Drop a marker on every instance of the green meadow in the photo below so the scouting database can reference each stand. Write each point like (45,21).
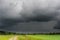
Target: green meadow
(31,37)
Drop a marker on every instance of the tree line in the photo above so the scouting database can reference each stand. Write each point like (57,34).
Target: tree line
(13,33)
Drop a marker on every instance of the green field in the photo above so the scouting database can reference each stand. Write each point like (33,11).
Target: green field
(31,37)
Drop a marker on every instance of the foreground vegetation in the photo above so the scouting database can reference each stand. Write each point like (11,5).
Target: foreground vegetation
(31,37)
(39,36)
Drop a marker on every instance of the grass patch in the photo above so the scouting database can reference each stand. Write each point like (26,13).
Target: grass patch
(31,37)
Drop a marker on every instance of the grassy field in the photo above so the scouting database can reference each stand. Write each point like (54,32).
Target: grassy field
(31,37)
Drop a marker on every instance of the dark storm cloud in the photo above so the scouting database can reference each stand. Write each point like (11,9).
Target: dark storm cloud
(28,10)
(13,12)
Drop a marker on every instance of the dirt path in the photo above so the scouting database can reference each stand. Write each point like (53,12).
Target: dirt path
(14,38)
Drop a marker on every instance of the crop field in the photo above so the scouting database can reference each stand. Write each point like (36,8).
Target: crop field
(29,37)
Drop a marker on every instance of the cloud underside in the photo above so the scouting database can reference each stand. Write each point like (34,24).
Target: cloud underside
(13,12)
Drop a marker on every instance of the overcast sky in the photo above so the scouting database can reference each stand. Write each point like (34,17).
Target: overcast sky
(15,12)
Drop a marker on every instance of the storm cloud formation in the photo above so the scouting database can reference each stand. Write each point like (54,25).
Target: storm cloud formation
(13,12)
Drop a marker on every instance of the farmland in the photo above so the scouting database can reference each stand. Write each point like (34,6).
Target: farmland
(31,37)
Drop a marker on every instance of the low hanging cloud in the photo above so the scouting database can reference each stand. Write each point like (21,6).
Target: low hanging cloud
(13,12)
(29,9)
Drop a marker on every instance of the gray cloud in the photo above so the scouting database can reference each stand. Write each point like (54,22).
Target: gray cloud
(13,12)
